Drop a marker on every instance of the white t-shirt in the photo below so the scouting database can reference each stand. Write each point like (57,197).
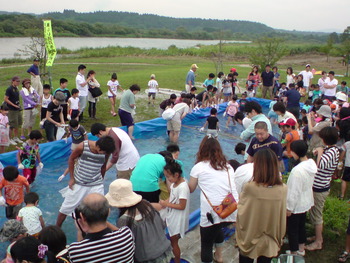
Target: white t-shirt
(30,216)
(290,79)
(346,148)
(243,175)
(331,92)
(152,86)
(114,87)
(83,90)
(74,103)
(246,122)
(216,186)
(219,84)
(307,76)
(178,220)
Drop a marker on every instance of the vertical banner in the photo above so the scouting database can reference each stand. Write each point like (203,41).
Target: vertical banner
(49,43)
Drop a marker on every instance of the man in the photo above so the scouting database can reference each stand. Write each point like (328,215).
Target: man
(125,155)
(330,87)
(103,241)
(82,86)
(263,140)
(35,76)
(292,98)
(307,77)
(267,79)
(14,114)
(254,112)
(127,107)
(191,77)
(87,167)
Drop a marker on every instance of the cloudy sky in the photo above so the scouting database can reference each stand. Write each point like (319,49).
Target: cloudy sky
(304,15)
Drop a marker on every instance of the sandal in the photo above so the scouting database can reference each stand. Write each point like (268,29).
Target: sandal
(343,256)
(313,246)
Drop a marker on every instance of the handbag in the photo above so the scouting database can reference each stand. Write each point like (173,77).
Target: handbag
(169,113)
(227,206)
(95,92)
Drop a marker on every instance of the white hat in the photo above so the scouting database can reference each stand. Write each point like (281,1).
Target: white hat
(341,96)
(194,66)
(120,194)
(325,111)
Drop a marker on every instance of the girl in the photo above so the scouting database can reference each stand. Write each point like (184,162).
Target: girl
(4,128)
(219,80)
(290,76)
(254,76)
(231,110)
(93,83)
(227,87)
(307,106)
(177,206)
(28,249)
(113,86)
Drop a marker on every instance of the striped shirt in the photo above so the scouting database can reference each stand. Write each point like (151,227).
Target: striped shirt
(87,170)
(326,167)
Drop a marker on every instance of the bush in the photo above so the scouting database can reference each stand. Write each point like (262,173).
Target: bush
(335,214)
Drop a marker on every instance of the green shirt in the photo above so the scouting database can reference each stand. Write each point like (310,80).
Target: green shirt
(127,99)
(147,172)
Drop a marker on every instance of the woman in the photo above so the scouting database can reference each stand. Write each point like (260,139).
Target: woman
(290,76)
(93,83)
(261,218)
(254,76)
(214,177)
(151,244)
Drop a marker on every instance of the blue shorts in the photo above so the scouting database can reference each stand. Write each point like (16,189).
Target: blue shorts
(227,94)
(125,118)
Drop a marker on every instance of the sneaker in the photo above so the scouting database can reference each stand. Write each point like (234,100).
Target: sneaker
(23,137)
(12,142)
(16,139)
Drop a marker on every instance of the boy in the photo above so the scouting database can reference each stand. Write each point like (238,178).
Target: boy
(73,105)
(152,89)
(240,148)
(203,96)
(343,88)
(45,100)
(316,93)
(31,215)
(291,135)
(209,80)
(243,101)
(66,92)
(167,103)
(282,91)
(28,154)
(213,124)
(13,184)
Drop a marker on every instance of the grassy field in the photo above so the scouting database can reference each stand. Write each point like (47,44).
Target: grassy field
(170,72)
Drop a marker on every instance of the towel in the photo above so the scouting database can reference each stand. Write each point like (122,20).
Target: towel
(27,92)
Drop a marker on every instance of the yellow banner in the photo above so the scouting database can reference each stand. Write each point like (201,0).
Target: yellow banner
(49,43)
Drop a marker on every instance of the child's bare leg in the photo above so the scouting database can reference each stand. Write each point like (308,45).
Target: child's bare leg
(112,100)
(176,249)
(343,188)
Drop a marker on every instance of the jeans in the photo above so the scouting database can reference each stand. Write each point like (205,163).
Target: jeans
(51,131)
(82,105)
(92,109)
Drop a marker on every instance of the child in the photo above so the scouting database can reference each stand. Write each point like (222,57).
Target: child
(250,85)
(13,184)
(213,123)
(307,106)
(282,91)
(73,105)
(242,102)
(28,154)
(291,135)
(306,136)
(177,206)
(231,110)
(276,79)
(4,128)
(31,215)
(227,87)
(113,86)
(240,148)
(345,154)
(272,115)
(174,149)
(209,81)
(45,100)
(219,80)
(316,93)
(66,92)
(152,89)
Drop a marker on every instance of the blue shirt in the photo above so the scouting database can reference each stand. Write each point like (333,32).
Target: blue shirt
(293,98)
(267,78)
(33,69)
(190,77)
(271,142)
(208,82)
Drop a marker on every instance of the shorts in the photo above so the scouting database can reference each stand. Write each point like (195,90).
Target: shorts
(15,118)
(212,132)
(152,197)
(173,125)
(43,113)
(152,94)
(346,174)
(112,96)
(316,212)
(72,198)
(125,118)
(227,94)
(12,211)
(29,174)
(74,114)
(28,118)
(73,146)
(126,174)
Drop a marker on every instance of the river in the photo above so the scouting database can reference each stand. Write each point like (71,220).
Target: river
(10,46)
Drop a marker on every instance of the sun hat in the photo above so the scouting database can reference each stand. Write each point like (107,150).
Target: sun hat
(194,66)
(120,194)
(60,97)
(341,96)
(325,111)
(307,65)
(25,81)
(288,121)
(15,78)
(12,229)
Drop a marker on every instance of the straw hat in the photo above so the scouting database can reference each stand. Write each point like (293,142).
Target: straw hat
(120,194)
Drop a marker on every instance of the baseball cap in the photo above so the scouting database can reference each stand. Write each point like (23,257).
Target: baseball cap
(233,69)
(288,121)
(307,65)
(194,66)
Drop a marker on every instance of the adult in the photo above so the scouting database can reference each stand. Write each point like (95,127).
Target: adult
(174,125)
(127,107)
(103,241)
(280,109)
(292,98)
(330,87)
(254,77)
(92,83)
(307,77)
(87,167)
(290,76)
(214,176)
(191,78)
(167,103)
(30,100)
(35,76)
(14,115)
(258,234)
(145,177)
(125,155)
(151,244)
(254,112)
(54,116)
(243,175)
(322,81)
(82,86)
(263,140)
(267,80)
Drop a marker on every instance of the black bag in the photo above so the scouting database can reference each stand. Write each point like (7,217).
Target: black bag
(95,92)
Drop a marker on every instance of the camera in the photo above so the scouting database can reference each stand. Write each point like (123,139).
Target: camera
(76,214)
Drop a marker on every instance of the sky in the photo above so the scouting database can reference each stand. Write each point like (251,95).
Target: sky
(301,15)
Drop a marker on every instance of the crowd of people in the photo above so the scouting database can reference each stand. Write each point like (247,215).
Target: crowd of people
(151,192)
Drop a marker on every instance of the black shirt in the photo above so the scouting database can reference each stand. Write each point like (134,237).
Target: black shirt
(212,122)
(199,97)
(267,78)
(55,111)
(13,94)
